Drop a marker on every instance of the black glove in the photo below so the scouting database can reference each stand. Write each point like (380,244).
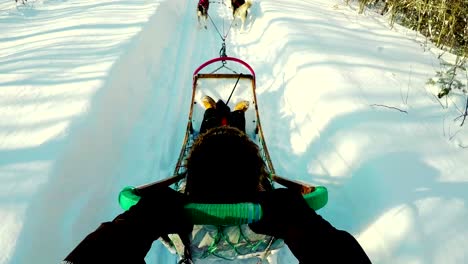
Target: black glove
(311,239)
(284,210)
(159,212)
(128,238)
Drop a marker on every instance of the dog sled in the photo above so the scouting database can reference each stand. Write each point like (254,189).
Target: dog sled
(224,226)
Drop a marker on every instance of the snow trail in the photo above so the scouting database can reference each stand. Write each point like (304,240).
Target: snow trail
(88,107)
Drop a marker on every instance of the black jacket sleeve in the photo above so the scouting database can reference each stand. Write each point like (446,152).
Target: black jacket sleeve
(128,238)
(310,238)
(320,242)
(112,242)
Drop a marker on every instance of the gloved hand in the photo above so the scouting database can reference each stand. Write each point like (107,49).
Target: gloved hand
(128,238)
(284,211)
(159,212)
(310,238)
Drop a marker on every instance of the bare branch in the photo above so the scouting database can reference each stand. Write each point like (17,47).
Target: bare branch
(408,88)
(452,136)
(464,114)
(391,107)
(443,126)
(438,100)
(456,106)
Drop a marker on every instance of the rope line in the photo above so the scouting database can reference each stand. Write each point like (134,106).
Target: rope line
(217,30)
(222,52)
(235,85)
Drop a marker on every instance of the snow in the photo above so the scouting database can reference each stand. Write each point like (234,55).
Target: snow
(94,96)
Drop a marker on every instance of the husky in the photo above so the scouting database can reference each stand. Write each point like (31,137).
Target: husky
(202,12)
(240,9)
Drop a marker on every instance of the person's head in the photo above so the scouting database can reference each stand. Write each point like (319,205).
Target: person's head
(225,166)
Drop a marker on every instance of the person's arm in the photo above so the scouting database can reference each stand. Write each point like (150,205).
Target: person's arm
(128,238)
(309,237)
(322,243)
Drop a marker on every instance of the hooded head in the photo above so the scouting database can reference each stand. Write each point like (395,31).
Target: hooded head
(225,166)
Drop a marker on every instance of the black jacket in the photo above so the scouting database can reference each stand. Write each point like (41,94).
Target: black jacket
(128,238)
(116,242)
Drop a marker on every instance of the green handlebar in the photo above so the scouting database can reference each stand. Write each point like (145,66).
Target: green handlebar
(225,214)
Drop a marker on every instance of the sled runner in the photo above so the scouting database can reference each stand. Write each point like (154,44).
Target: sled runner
(224,224)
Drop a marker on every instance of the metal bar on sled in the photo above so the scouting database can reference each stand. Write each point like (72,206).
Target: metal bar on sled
(224,76)
(141,190)
(304,188)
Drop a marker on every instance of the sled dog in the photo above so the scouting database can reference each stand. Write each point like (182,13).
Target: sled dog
(202,12)
(240,9)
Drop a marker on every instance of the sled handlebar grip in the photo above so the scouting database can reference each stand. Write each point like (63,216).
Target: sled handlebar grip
(225,214)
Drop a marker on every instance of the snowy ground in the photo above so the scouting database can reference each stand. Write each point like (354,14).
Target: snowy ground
(94,96)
